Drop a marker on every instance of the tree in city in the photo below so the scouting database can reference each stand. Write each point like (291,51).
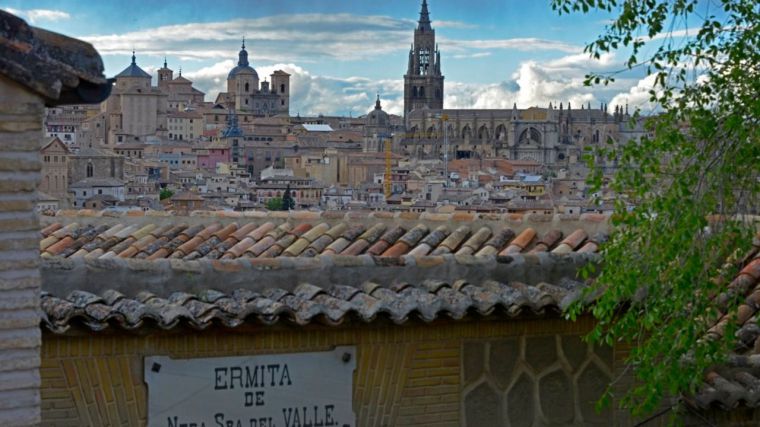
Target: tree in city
(274,204)
(288,203)
(165,193)
(691,182)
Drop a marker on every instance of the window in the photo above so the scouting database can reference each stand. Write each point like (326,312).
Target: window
(246,89)
(282,88)
(89,170)
(100,191)
(282,102)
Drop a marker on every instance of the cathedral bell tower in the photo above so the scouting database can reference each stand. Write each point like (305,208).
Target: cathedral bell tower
(423,82)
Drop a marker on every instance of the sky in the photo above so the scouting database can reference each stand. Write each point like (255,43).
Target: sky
(341,53)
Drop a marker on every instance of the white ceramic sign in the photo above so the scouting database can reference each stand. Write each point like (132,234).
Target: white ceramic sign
(274,390)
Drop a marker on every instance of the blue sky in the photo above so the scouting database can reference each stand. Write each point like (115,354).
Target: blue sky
(340,53)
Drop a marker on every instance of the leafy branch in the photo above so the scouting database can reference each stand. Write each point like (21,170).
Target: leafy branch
(693,181)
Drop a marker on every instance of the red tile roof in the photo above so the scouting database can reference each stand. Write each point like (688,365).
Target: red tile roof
(263,238)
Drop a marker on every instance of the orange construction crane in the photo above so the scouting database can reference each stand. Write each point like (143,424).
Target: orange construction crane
(387,176)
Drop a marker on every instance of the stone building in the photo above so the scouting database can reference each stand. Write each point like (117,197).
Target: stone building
(95,163)
(550,136)
(554,136)
(65,122)
(185,125)
(37,69)
(423,81)
(135,110)
(95,193)
(180,91)
(245,93)
(55,169)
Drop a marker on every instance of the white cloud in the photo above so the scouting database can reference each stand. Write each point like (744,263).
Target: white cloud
(471,55)
(534,83)
(298,37)
(453,24)
(527,44)
(36,15)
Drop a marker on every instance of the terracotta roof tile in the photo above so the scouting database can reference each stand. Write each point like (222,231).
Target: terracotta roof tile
(379,237)
(520,242)
(452,241)
(496,242)
(737,382)
(307,303)
(474,242)
(547,241)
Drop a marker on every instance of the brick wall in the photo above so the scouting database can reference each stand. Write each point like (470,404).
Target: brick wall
(406,375)
(20,136)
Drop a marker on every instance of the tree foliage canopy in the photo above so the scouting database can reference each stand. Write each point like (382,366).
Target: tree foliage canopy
(274,204)
(692,181)
(165,193)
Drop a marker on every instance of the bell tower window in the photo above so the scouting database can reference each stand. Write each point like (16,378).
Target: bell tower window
(424,61)
(246,87)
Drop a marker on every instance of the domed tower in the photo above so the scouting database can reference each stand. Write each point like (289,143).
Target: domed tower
(377,127)
(242,82)
(423,81)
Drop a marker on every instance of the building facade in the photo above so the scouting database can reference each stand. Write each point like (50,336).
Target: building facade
(246,93)
(180,91)
(135,110)
(55,169)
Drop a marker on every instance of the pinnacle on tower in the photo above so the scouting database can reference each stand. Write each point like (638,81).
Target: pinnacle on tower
(424,22)
(133,56)
(377,102)
(243,55)
(165,62)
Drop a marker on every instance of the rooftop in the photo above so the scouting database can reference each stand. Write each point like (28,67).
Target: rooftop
(133,70)
(304,234)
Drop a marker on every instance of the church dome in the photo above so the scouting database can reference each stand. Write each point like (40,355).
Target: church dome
(133,70)
(377,117)
(243,68)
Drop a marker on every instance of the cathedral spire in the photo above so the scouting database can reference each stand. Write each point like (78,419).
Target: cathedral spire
(424,22)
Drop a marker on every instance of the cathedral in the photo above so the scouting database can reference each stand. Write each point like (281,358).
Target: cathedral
(245,93)
(552,136)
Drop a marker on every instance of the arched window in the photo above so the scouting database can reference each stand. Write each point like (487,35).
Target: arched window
(282,88)
(414,91)
(246,86)
(483,132)
(422,91)
(501,133)
(528,136)
(466,132)
(89,170)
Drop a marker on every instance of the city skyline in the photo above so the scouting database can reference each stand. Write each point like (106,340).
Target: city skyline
(341,54)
